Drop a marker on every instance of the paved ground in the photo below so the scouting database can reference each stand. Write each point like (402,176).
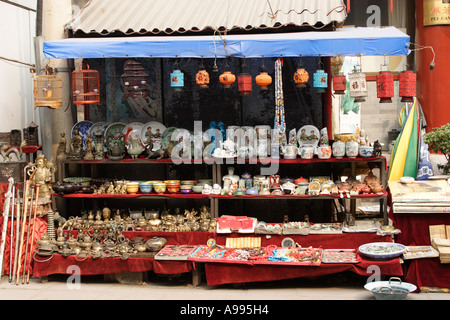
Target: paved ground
(334,287)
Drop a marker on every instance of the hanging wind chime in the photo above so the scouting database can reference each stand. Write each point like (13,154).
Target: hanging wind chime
(280,122)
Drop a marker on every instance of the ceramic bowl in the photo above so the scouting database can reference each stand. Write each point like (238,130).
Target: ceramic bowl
(154,181)
(197,188)
(159,187)
(146,187)
(365,151)
(185,189)
(132,188)
(172,182)
(173,187)
(188,182)
(83,181)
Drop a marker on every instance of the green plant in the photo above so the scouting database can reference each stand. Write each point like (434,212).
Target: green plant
(438,141)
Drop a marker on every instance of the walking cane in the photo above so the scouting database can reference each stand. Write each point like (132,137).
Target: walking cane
(28,234)
(25,208)
(34,227)
(11,236)
(6,208)
(16,242)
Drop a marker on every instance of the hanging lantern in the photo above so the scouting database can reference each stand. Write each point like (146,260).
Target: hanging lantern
(48,90)
(407,85)
(263,79)
(227,79)
(202,78)
(134,80)
(357,85)
(85,85)
(385,86)
(177,80)
(301,77)
(339,84)
(320,78)
(245,84)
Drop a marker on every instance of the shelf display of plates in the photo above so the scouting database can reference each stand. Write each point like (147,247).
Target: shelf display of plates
(153,130)
(381,250)
(83,128)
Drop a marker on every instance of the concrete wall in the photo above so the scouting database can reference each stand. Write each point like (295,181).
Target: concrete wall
(17,29)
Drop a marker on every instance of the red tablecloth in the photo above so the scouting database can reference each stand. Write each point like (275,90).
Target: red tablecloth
(415,232)
(225,273)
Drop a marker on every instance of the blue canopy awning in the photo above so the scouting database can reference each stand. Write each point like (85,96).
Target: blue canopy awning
(376,41)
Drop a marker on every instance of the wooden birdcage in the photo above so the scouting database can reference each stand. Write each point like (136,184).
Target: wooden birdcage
(48,90)
(85,86)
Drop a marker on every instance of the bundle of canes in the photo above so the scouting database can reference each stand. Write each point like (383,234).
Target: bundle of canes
(22,233)
(32,236)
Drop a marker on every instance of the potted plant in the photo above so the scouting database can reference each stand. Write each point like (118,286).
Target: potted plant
(438,141)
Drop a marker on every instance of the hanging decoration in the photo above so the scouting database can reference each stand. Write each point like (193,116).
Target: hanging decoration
(357,84)
(407,85)
(48,90)
(85,85)
(385,85)
(280,122)
(202,77)
(134,80)
(227,78)
(177,78)
(244,81)
(301,77)
(263,79)
(339,83)
(320,78)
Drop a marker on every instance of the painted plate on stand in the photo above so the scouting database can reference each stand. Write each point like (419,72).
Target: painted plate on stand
(134,129)
(308,136)
(167,137)
(113,129)
(98,126)
(153,130)
(83,127)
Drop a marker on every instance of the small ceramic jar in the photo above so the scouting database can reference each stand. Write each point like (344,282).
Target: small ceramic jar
(352,149)
(307,152)
(338,149)
(324,152)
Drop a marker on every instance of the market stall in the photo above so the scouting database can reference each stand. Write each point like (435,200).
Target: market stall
(207,229)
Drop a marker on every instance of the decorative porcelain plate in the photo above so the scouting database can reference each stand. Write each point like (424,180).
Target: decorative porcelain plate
(83,127)
(308,136)
(98,125)
(133,129)
(113,129)
(167,137)
(382,250)
(153,130)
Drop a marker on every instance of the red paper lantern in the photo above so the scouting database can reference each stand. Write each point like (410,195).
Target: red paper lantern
(339,84)
(407,85)
(385,86)
(202,78)
(227,79)
(245,84)
(85,86)
(263,80)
